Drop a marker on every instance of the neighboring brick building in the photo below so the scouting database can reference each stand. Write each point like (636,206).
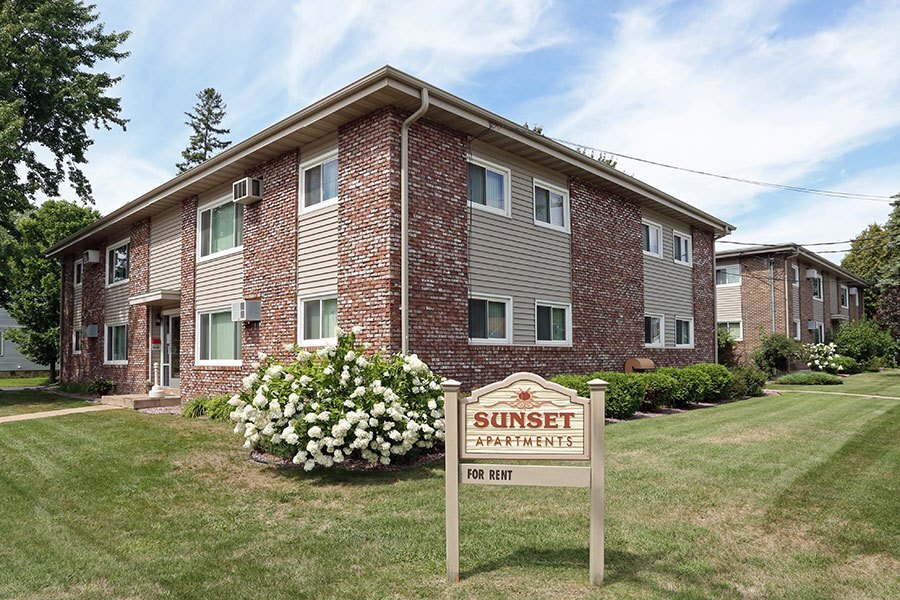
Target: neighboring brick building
(784,289)
(523,254)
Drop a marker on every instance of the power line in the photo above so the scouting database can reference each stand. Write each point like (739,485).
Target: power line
(779,186)
(865,239)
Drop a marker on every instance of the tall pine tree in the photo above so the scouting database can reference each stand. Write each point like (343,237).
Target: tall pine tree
(205,121)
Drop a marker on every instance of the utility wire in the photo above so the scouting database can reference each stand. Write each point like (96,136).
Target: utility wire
(886,235)
(779,186)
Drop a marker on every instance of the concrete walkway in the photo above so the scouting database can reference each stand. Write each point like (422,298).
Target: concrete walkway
(56,413)
(836,394)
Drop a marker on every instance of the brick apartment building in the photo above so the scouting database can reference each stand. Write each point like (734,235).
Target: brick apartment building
(515,252)
(784,289)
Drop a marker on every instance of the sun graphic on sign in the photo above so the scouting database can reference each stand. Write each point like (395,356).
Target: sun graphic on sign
(524,399)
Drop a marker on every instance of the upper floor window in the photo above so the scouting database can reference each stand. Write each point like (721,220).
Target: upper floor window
(117,262)
(795,275)
(682,244)
(845,297)
(817,287)
(728,275)
(489,186)
(552,323)
(221,228)
(551,206)
(490,319)
(684,333)
(652,234)
(319,182)
(78,273)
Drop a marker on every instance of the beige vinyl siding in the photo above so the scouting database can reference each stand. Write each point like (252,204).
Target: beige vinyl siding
(795,295)
(165,251)
(219,280)
(728,300)
(116,310)
(668,286)
(832,289)
(818,307)
(317,236)
(76,300)
(513,257)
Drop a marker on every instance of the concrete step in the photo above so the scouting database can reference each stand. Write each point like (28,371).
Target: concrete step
(139,401)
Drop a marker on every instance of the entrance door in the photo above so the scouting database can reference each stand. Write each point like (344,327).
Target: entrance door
(171,356)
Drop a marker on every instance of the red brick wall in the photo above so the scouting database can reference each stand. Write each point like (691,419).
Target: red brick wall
(89,364)
(756,299)
(138,283)
(67,365)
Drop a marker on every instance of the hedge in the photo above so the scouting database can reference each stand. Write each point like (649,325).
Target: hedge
(661,390)
(814,378)
(720,381)
(747,380)
(624,395)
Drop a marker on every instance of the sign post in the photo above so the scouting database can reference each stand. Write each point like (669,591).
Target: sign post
(524,417)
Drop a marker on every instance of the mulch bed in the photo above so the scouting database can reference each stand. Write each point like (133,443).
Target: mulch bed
(435,454)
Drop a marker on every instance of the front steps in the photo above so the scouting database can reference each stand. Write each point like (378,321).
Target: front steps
(139,401)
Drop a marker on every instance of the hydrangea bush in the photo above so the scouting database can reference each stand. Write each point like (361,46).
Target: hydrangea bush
(337,402)
(823,357)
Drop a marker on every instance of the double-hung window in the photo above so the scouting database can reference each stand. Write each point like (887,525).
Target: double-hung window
(845,297)
(654,331)
(117,262)
(116,342)
(219,341)
(78,273)
(652,234)
(553,325)
(490,319)
(319,182)
(735,328)
(221,228)
(318,320)
(76,341)
(817,287)
(489,186)
(820,333)
(797,329)
(682,246)
(728,275)
(684,333)
(795,275)
(551,206)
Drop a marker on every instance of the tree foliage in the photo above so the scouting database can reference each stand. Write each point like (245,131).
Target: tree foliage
(205,123)
(867,258)
(30,282)
(49,93)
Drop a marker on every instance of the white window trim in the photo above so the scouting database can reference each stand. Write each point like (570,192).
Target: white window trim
(740,336)
(107,339)
(221,201)
(724,285)
(795,274)
(2,343)
(78,284)
(662,331)
(844,293)
(509,320)
(312,163)
(650,223)
(535,183)
(689,320)
(214,362)
(798,332)
(568,309)
(690,240)
(303,343)
(106,265)
(74,351)
(507,187)
(820,327)
(821,296)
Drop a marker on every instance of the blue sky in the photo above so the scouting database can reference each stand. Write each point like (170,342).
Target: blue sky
(804,93)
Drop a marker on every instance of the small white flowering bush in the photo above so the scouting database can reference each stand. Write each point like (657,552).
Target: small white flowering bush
(336,403)
(823,357)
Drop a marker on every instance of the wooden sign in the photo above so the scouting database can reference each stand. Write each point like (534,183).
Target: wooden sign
(525,417)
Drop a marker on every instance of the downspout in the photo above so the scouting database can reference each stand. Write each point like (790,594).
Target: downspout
(715,306)
(404,220)
(772,291)
(788,286)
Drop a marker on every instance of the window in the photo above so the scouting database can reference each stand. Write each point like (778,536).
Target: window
(795,275)
(735,328)
(318,320)
(551,206)
(116,344)
(319,182)
(78,273)
(76,341)
(820,333)
(652,234)
(2,343)
(845,297)
(796,329)
(728,275)
(856,297)
(489,187)
(684,333)
(489,320)
(682,248)
(117,259)
(220,338)
(654,331)
(817,287)
(552,323)
(221,228)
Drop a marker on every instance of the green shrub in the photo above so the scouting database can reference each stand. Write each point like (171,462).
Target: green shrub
(695,384)
(624,395)
(813,378)
(195,408)
(775,353)
(574,382)
(75,387)
(727,347)
(848,365)
(864,340)
(661,390)
(874,365)
(720,381)
(747,380)
(101,386)
(218,409)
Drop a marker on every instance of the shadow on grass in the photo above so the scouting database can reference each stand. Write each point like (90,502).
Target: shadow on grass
(420,472)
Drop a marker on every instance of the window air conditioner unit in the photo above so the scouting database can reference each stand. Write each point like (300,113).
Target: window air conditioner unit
(92,330)
(247,190)
(811,274)
(91,256)
(246,310)
(854,291)
(811,325)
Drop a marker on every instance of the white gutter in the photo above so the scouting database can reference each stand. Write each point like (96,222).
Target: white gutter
(404,220)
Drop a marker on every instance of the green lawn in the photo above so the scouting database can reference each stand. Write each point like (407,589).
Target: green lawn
(885,383)
(29,401)
(15,382)
(790,496)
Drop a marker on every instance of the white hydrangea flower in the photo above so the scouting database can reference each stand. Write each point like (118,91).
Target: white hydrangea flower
(432,404)
(314,432)
(356,329)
